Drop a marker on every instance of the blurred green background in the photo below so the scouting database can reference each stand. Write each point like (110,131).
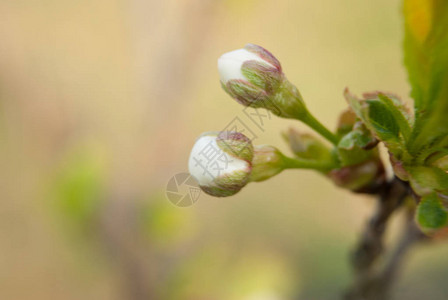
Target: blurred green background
(100,104)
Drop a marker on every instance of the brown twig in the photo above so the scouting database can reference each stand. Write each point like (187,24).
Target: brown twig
(370,246)
(383,282)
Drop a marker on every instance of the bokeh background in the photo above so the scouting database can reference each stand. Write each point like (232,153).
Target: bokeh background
(100,104)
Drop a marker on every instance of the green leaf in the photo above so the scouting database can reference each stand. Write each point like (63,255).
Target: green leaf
(382,120)
(354,102)
(397,110)
(379,119)
(355,139)
(430,212)
(441,161)
(426,59)
(353,147)
(425,180)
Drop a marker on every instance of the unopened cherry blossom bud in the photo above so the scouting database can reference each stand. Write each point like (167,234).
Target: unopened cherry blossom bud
(224,162)
(307,146)
(368,175)
(221,162)
(254,77)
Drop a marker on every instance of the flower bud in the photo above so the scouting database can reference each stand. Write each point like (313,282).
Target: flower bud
(306,145)
(230,65)
(221,162)
(359,178)
(347,120)
(268,161)
(254,77)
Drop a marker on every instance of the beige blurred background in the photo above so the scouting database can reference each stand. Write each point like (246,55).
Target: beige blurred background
(100,104)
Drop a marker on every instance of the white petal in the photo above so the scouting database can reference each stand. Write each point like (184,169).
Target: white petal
(207,161)
(229,64)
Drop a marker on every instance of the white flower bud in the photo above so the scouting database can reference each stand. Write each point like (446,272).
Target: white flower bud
(221,162)
(230,64)
(254,77)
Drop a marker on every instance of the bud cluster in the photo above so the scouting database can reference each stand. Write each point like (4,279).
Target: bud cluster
(415,140)
(224,162)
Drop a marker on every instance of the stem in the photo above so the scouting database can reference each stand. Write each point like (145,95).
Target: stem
(311,121)
(290,104)
(297,163)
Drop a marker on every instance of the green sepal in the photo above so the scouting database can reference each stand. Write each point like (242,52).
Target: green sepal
(234,181)
(262,75)
(236,144)
(218,191)
(289,102)
(228,185)
(264,54)
(268,161)
(245,93)
(431,214)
